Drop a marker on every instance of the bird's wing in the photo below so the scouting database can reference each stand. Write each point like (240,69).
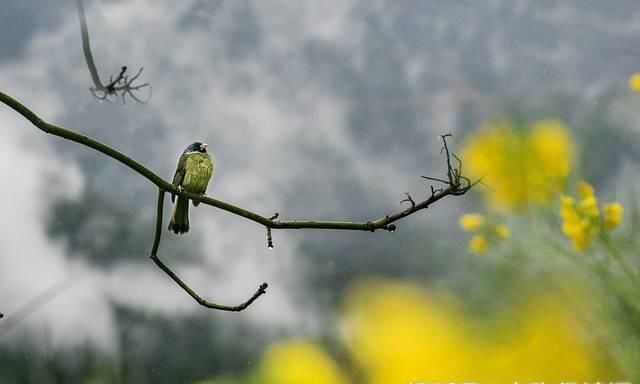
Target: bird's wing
(178,177)
(211,171)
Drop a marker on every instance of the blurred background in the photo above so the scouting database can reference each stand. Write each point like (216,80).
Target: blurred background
(330,111)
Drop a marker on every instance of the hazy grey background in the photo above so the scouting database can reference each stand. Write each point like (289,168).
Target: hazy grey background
(314,109)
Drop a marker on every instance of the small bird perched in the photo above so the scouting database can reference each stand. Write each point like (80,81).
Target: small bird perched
(194,171)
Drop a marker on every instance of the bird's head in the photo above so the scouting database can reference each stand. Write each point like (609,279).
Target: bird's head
(196,147)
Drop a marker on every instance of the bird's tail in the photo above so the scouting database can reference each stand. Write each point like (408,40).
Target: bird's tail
(179,222)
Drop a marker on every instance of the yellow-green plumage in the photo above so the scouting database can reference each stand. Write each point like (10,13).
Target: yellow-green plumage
(192,175)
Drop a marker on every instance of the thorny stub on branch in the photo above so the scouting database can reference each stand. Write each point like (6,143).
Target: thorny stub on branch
(269,238)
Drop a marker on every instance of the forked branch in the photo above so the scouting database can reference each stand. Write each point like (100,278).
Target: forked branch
(455,185)
(154,256)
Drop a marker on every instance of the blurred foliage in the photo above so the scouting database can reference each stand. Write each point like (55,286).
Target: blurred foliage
(151,349)
(100,229)
(485,231)
(397,332)
(299,361)
(599,261)
(106,231)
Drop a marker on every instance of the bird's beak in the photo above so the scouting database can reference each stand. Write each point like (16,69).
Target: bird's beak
(204,146)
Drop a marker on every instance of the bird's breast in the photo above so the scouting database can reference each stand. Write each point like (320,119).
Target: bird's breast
(198,172)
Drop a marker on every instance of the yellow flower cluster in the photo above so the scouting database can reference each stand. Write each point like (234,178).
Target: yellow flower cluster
(397,333)
(582,219)
(484,231)
(520,165)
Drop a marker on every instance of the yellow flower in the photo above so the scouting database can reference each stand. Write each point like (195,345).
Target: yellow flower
(551,150)
(613,213)
(478,244)
(581,220)
(299,361)
(589,206)
(485,231)
(503,231)
(471,221)
(585,190)
(575,223)
(634,82)
(521,166)
(397,333)
(566,205)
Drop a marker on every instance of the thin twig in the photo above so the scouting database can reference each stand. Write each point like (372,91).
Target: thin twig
(269,237)
(86,47)
(18,316)
(154,256)
(435,179)
(408,200)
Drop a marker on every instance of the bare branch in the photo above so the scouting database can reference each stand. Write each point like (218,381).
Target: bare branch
(154,256)
(18,316)
(456,186)
(121,85)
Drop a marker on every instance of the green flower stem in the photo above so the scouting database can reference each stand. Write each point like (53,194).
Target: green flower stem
(600,271)
(615,255)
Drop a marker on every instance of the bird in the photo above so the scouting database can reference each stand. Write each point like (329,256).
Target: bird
(195,168)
